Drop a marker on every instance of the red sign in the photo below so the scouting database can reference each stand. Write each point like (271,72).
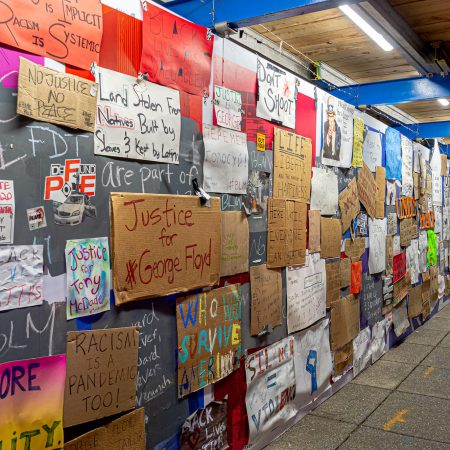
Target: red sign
(176,53)
(399,266)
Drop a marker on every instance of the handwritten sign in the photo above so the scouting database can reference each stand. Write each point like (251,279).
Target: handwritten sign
(22,273)
(7,211)
(314,231)
(367,190)
(344,321)
(306,293)
(270,375)
(101,374)
(377,245)
(330,238)
(67,32)
(362,356)
(292,155)
(393,155)
(177,52)
(228,108)
(277,94)
(349,204)
(354,248)
(51,96)
(88,277)
(401,288)
(408,231)
(345,272)
(136,119)
(399,266)
(206,428)
(163,244)
(266,288)
(407,166)
(225,168)
(333,281)
(209,337)
(358,139)
(324,191)
(372,150)
(380,179)
(372,299)
(31,403)
(286,241)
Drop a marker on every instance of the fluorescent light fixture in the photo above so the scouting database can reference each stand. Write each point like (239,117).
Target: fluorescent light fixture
(368,29)
(443,101)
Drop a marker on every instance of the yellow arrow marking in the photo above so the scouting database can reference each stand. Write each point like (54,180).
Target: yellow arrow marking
(428,372)
(398,417)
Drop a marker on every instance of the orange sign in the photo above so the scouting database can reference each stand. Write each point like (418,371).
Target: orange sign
(67,31)
(427,220)
(406,207)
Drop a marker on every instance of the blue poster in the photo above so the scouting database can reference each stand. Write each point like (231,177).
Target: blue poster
(393,155)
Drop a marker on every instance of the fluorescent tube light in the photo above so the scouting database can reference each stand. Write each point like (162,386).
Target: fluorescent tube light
(368,29)
(443,101)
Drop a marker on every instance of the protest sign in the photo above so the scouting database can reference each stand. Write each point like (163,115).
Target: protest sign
(367,190)
(31,403)
(393,155)
(372,150)
(399,266)
(356,277)
(333,281)
(50,96)
(362,356)
(377,245)
(36,218)
(349,204)
(136,119)
(378,346)
(412,260)
(292,156)
(266,306)
(345,272)
(177,53)
(314,231)
(380,179)
(330,238)
(401,288)
(324,191)
(234,256)
(70,33)
(286,241)
(372,299)
(392,224)
(204,360)
(355,248)
(277,94)
(415,302)
(101,374)
(358,139)
(162,244)
(228,108)
(306,293)
(22,274)
(400,319)
(343,359)
(88,277)
(7,211)
(344,321)
(407,166)
(225,168)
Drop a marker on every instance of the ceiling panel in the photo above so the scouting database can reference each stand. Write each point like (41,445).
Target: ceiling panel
(428,111)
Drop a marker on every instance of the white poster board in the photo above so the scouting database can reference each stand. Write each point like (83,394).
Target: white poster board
(324,191)
(407,167)
(7,211)
(377,245)
(228,108)
(362,357)
(372,150)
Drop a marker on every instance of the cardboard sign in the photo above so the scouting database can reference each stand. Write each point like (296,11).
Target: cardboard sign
(206,428)
(69,33)
(444,169)
(176,52)
(399,266)
(7,211)
(228,108)
(372,299)
(306,293)
(391,224)
(415,302)
(333,270)
(343,358)
(205,357)
(330,240)
(314,231)
(234,256)
(225,167)
(406,207)
(260,142)
(266,306)
(127,432)
(426,310)
(380,179)
(50,96)
(401,288)
(22,275)
(408,231)
(356,277)
(367,190)
(88,277)
(162,244)
(358,139)
(389,254)
(136,119)
(349,204)
(416,180)
(324,191)
(434,284)
(362,356)
(344,321)
(286,241)
(354,248)
(292,155)
(277,94)
(32,396)
(400,319)
(345,272)
(92,358)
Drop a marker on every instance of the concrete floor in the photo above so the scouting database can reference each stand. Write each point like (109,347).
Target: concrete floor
(401,402)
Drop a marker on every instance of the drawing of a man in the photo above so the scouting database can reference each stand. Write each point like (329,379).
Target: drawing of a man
(331,133)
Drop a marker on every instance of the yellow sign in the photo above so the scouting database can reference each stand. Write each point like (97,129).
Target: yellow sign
(261,142)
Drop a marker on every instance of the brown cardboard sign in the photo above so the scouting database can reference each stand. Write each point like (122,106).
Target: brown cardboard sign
(425,290)
(416,178)
(426,310)
(444,170)
(235,231)
(434,284)
(314,231)
(355,248)
(408,231)
(380,179)
(286,239)
(401,288)
(55,97)
(206,428)
(333,271)
(344,321)
(292,155)
(343,357)
(209,337)
(389,255)
(415,301)
(101,373)
(346,264)
(266,306)
(162,244)
(331,235)
(349,204)
(367,190)
(126,433)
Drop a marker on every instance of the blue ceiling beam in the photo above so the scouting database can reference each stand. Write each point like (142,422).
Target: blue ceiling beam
(396,92)
(429,130)
(244,13)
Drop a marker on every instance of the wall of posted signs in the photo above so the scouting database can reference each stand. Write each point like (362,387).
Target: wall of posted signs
(197,247)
